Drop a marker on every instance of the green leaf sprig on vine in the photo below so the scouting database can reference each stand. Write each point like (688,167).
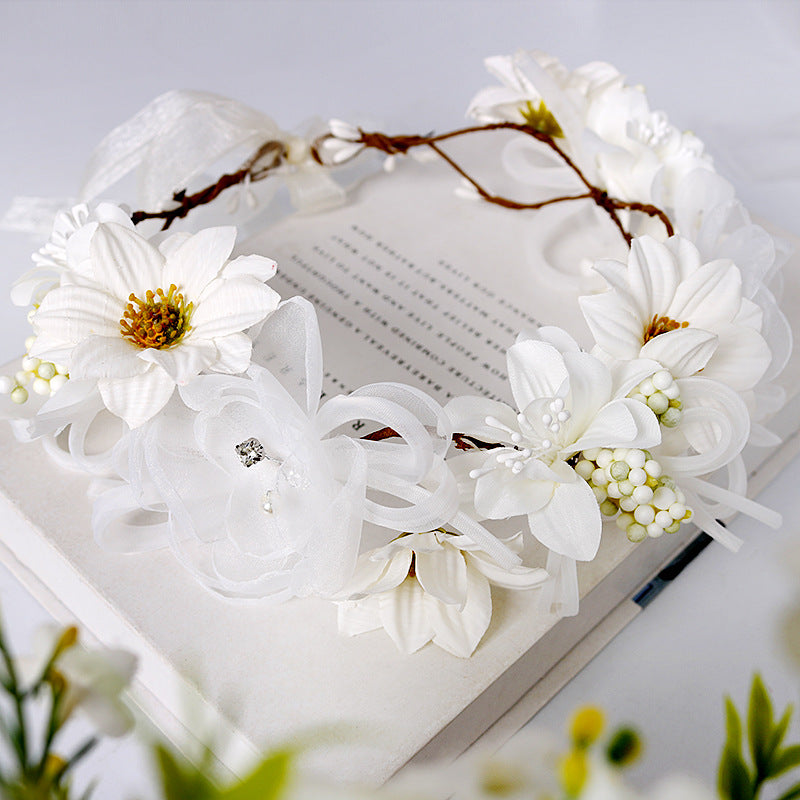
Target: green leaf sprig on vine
(740,776)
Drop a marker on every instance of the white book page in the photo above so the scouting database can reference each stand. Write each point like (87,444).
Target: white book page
(415,284)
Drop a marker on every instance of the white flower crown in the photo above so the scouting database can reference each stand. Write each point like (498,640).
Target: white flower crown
(208,385)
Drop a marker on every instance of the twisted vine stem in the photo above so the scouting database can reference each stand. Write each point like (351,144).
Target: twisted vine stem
(267,158)
(272,154)
(401,145)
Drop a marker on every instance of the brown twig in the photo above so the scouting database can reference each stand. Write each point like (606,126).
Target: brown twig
(460,440)
(273,150)
(400,145)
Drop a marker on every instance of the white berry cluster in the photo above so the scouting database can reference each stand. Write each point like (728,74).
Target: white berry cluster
(661,394)
(43,377)
(629,482)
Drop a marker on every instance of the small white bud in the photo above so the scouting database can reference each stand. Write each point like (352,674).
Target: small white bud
(41,386)
(56,382)
(662,379)
(20,395)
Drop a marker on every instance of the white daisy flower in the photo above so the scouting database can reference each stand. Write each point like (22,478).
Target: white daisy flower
(139,320)
(431,586)
(668,306)
(566,404)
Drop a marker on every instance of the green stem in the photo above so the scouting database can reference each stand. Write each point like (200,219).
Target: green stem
(77,756)
(18,740)
(53,726)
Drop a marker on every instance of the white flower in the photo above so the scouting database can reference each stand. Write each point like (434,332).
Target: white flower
(139,320)
(262,496)
(533,78)
(668,306)
(431,586)
(94,679)
(566,404)
(607,127)
(51,259)
(342,143)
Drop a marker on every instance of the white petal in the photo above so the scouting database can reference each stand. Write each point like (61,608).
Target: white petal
(741,358)
(443,575)
(514,578)
(199,260)
(231,306)
(125,262)
(404,616)
(361,616)
(652,276)
(683,351)
(535,370)
(257,267)
(500,494)
(290,346)
(233,353)
(459,631)
(589,389)
(108,715)
(376,577)
(557,337)
(468,415)
(570,524)
(615,326)
(139,398)
(182,361)
(105,357)
(709,297)
(71,313)
(621,423)
(172,242)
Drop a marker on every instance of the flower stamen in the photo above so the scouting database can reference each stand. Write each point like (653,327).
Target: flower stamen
(659,325)
(159,321)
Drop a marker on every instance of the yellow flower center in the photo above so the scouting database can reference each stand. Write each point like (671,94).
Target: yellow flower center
(159,321)
(659,325)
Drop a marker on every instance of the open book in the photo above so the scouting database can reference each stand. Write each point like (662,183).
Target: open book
(411,283)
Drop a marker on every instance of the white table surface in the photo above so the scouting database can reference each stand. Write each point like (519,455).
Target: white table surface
(727,70)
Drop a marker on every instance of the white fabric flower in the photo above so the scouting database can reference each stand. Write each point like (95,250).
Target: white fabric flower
(607,127)
(668,306)
(431,586)
(139,320)
(566,404)
(51,259)
(532,78)
(254,490)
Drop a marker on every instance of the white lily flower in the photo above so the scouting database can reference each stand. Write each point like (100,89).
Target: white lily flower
(94,679)
(138,320)
(566,404)
(668,306)
(432,586)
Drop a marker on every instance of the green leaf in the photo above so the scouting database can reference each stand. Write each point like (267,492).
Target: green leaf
(733,727)
(784,760)
(266,782)
(759,725)
(790,794)
(776,738)
(734,781)
(181,781)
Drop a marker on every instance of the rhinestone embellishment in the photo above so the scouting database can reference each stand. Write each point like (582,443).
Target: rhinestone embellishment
(250,452)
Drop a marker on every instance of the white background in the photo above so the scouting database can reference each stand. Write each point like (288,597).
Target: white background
(727,70)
